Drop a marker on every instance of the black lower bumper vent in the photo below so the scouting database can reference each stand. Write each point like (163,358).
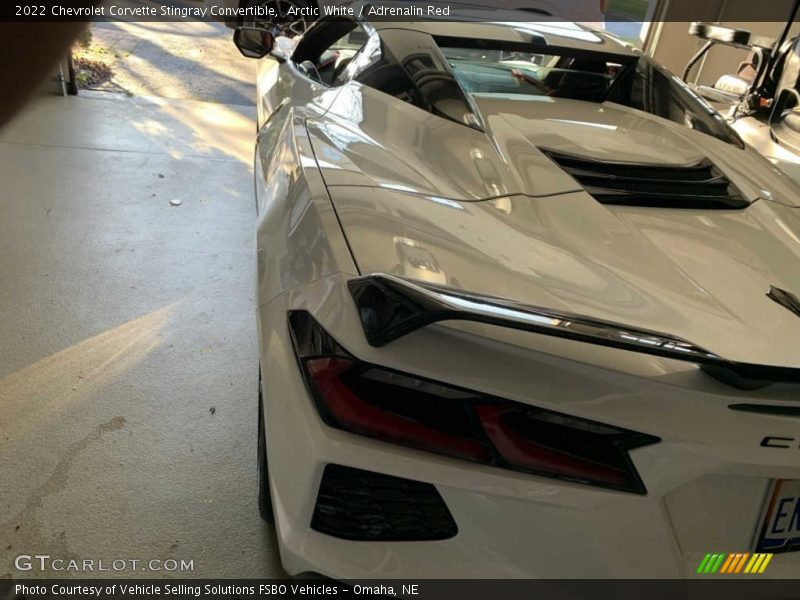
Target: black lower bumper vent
(360,505)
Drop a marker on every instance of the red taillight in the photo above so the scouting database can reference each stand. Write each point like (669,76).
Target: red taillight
(405,409)
(359,416)
(524,452)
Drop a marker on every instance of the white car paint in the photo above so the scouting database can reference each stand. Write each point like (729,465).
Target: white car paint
(343,173)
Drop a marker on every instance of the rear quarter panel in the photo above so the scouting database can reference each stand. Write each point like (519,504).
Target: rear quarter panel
(298,235)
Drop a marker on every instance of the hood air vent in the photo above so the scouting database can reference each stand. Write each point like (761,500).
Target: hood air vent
(699,186)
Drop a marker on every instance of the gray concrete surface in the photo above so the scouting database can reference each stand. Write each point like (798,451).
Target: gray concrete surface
(128,357)
(188,60)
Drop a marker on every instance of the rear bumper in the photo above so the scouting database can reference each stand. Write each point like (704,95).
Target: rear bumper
(510,525)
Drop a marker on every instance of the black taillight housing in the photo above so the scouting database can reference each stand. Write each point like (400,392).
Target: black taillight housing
(414,411)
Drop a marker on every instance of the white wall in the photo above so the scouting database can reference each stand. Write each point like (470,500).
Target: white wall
(671,44)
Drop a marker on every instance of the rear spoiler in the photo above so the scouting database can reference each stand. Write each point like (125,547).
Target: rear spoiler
(391,307)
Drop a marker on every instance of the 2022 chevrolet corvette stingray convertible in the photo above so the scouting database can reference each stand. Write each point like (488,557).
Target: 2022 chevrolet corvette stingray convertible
(527,307)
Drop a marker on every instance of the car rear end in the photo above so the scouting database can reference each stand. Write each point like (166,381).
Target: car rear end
(411,440)
(403,494)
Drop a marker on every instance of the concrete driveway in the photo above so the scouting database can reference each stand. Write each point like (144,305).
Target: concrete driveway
(185,60)
(128,366)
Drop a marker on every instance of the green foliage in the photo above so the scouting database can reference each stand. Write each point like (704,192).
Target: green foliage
(632,9)
(84,39)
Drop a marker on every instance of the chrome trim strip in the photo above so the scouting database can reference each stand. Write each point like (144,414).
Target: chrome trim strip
(437,303)
(391,307)
(786,299)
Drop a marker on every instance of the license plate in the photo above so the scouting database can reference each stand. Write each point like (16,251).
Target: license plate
(779,530)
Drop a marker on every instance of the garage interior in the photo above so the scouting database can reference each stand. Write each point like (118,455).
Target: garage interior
(128,368)
(128,371)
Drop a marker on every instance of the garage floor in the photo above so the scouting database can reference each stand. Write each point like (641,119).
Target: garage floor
(128,357)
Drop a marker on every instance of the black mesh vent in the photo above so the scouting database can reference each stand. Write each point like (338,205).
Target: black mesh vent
(360,505)
(698,186)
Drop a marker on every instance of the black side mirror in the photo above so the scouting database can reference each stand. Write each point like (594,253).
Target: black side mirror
(253,42)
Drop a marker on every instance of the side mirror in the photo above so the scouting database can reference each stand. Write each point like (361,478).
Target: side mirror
(253,42)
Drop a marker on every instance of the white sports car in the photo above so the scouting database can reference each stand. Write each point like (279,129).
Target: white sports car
(527,307)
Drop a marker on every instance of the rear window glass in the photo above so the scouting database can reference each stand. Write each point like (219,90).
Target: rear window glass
(488,71)
(488,67)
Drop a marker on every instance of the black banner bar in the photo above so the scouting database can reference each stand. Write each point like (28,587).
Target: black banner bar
(744,587)
(592,11)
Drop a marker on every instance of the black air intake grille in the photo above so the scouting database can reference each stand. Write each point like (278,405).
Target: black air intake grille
(699,186)
(360,505)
